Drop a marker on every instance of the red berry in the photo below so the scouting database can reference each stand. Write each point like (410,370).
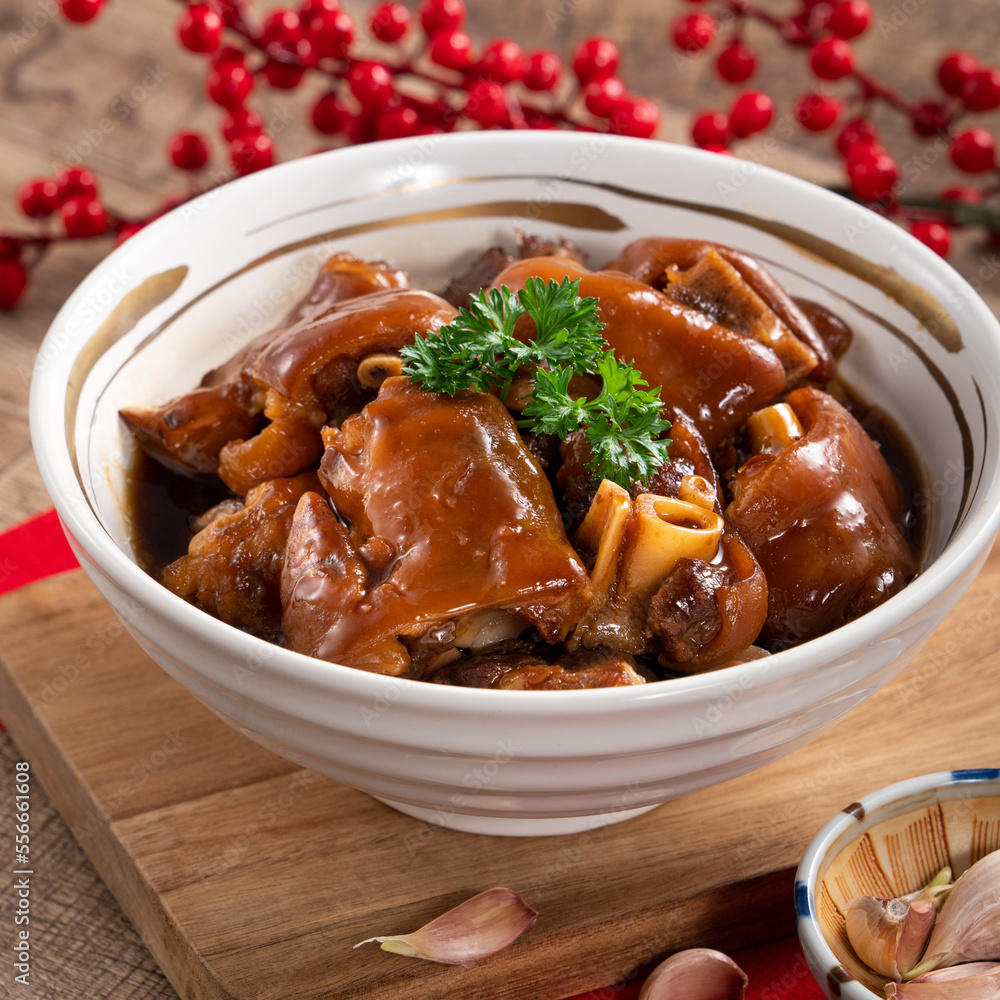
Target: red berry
(81,11)
(974,151)
(251,153)
(38,198)
(330,34)
(817,112)
(389,21)
(229,84)
(543,71)
(487,104)
(437,16)
(228,54)
(13,282)
(188,150)
(452,49)
(933,234)
(241,121)
(397,123)
(309,9)
(72,181)
(371,83)
(360,129)
(962,192)
(752,112)
(981,90)
(282,75)
(127,231)
(736,62)
(872,172)
(200,28)
(831,59)
(710,130)
(230,11)
(954,69)
(282,27)
(10,248)
(856,130)
(595,58)
(930,117)
(849,18)
(601,96)
(638,117)
(328,115)
(83,216)
(501,60)
(694,32)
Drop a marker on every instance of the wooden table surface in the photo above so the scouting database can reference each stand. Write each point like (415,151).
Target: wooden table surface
(109,95)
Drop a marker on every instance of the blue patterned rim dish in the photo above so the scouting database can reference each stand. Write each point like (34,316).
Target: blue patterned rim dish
(888,843)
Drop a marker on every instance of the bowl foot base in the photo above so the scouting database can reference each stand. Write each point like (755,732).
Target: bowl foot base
(514,826)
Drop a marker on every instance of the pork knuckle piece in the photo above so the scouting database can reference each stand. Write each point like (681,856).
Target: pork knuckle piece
(821,517)
(715,377)
(448,514)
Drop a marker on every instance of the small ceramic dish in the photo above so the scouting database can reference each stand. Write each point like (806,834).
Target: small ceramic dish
(887,844)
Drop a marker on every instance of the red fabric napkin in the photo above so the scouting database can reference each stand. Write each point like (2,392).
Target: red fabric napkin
(32,551)
(776,971)
(38,549)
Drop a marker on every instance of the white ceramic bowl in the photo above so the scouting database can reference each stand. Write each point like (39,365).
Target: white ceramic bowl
(185,293)
(889,843)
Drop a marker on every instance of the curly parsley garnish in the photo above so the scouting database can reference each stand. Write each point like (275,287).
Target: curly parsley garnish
(624,424)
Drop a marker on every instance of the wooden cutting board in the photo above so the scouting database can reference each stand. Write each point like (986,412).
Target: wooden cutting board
(248,876)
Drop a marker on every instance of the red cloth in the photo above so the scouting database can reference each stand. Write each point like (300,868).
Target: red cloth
(777,971)
(32,551)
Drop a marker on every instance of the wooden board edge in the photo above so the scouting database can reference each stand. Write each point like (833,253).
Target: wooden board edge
(98,838)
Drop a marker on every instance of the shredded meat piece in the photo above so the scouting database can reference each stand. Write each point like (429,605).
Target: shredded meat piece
(233,565)
(684,613)
(529,245)
(517,666)
(484,269)
(577,498)
(462,288)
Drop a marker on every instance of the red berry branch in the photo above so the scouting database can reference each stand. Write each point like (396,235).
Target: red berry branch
(824,28)
(430,79)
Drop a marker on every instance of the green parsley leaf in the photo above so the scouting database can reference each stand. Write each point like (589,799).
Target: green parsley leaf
(624,424)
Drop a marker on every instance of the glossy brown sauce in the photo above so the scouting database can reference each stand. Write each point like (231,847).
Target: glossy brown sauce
(166,508)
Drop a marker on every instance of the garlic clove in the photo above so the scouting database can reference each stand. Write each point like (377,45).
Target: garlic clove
(696,974)
(917,926)
(467,933)
(973,981)
(889,935)
(968,927)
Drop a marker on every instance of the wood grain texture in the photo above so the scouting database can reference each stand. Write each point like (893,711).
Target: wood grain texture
(250,877)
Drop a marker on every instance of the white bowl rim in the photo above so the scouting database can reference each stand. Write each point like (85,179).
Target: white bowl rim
(867,808)
(78,518)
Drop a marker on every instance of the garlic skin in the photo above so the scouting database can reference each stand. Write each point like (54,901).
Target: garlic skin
(467,933)
(968,927)
(974,981)
(889,935)
(696,974)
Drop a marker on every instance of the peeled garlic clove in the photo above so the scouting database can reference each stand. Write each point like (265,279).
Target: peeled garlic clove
(968,927)
(696,974)
(467,933)
(973,981)
(888,935)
